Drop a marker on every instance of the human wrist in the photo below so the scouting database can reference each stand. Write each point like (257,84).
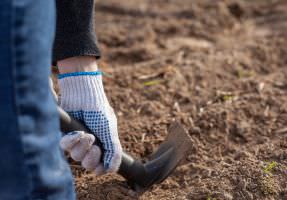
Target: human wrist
(77,64)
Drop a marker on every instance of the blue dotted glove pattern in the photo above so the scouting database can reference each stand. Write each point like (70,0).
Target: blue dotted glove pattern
(98,123)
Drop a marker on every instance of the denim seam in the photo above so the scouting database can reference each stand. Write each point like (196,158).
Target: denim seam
(14,86)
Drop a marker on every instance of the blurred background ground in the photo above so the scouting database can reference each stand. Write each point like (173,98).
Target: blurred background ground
(218,66)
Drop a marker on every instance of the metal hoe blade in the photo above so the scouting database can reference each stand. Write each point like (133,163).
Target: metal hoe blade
(141,176)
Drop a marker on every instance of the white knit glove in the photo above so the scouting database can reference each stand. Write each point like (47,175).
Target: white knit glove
(83,97)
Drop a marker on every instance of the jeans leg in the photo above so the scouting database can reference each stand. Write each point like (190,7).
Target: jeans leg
(31,165)
(14,183)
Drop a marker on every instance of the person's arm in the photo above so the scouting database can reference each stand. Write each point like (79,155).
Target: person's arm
(77,64)
(75,33)
(81,88)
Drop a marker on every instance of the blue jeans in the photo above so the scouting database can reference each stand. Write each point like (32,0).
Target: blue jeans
(31,164)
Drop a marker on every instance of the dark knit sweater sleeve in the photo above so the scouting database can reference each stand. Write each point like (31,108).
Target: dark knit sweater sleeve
(75,33)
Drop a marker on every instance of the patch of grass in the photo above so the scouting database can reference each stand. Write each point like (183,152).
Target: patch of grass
(223,96)
(227,97)
(153,82)
(270,167)
(245,73)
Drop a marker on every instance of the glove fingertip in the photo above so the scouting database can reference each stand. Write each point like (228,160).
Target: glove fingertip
(92,158)
(100,170)
(69,140)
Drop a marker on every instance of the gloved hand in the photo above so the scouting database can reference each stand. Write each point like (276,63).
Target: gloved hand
(83,97)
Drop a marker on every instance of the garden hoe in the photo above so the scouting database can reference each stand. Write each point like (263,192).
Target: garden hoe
(141,176)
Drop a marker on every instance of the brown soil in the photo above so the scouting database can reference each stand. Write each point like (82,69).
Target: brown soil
(219,67)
